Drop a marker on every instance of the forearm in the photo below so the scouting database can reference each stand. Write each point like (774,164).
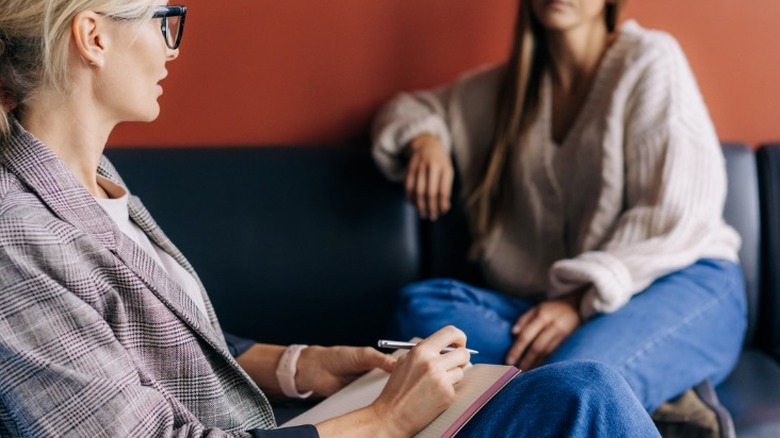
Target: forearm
(399,123)
(360,423)
(260,362)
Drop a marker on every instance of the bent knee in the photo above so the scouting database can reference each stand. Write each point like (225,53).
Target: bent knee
(580,376)
(437,289)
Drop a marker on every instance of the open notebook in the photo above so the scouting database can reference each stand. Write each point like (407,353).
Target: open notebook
(480,383)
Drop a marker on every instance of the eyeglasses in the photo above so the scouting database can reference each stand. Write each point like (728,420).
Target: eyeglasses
(172,25)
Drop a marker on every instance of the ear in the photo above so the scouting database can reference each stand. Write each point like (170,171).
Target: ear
(90,37)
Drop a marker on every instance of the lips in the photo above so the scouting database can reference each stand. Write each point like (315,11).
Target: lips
(159,86)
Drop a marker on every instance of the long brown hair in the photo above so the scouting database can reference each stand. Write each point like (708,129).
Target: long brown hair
(517,105)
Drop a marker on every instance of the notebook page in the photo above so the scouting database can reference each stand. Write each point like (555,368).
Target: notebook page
(480,383)
(358,394)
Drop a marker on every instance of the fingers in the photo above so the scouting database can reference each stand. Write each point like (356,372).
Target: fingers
(432,192)
(421,191)
(410,184)
(455,375)
(540,348)
(541,330)
(429,177)
(523,321)
(444,337)
(445,190)
(527,329)
(422,384)
(429,187)
(432,346)
(440,180)
(376,359)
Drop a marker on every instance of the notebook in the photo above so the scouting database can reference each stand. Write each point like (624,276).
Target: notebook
(480,383)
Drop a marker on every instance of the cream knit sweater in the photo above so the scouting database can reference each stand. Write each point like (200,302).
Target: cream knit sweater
(634,192)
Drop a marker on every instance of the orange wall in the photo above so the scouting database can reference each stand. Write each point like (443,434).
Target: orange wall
(314,71)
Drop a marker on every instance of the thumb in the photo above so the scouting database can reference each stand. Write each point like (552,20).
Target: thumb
(380,360)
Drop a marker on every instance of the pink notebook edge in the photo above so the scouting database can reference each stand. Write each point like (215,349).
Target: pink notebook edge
(481,401)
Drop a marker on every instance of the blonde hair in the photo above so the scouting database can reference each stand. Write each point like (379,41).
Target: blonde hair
(34,39)
(486,188)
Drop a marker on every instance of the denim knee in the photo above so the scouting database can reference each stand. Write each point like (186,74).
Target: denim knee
(577,398)
(427,287)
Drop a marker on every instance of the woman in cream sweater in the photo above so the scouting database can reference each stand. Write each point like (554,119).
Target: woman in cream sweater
(594,184)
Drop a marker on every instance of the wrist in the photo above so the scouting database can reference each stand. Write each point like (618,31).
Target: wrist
(287,370)
(389,424)
(574,299)
(423,140)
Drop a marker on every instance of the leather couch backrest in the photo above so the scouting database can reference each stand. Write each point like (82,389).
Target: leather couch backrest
(742,212)
(768,336)
(294,244)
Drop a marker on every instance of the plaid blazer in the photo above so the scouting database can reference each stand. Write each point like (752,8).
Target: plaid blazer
(95,338)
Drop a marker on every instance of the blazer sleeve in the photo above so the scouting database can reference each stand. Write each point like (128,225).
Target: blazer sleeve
(303,431)
(237,345)
(62,370)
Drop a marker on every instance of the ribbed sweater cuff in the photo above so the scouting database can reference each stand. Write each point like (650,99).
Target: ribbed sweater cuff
(609,277)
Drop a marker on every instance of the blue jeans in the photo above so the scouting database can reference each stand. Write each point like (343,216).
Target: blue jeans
(571,399)
(684,328)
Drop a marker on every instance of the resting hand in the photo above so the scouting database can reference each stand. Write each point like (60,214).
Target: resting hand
(542,329)
(325,370)
(429,177)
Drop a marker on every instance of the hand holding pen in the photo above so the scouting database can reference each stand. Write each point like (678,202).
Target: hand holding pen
(384,343)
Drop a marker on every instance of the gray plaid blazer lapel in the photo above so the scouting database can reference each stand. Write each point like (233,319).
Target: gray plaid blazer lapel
(180,300)
(48,176)
(45,173)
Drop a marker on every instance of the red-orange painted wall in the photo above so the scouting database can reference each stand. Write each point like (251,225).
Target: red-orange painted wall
(314,71)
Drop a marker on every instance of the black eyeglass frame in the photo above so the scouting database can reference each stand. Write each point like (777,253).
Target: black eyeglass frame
(171,11)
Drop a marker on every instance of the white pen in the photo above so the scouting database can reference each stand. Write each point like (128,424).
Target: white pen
(384,343)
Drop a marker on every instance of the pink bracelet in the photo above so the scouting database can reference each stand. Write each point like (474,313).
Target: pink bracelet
(285,371)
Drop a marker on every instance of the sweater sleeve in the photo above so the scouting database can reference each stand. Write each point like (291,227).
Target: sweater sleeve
(458,112)
(675,188)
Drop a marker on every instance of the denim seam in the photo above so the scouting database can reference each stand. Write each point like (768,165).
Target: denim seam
(719,297)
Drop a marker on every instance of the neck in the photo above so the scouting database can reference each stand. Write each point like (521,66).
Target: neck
(74,130)
(575,54)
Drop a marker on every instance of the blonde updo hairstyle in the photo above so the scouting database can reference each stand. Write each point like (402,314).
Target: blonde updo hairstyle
(34,39)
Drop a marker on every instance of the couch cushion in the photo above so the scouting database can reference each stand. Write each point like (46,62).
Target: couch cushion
(752,395)
(294,244)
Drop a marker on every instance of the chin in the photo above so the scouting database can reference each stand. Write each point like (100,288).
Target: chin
(150,115)
(147,114)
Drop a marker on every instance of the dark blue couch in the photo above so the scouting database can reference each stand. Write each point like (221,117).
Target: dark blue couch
(752,392)
(310,244)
